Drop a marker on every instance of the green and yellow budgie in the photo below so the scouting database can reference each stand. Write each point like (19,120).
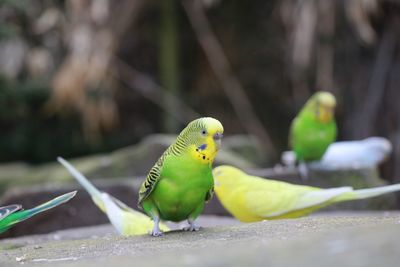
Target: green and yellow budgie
(314,128)
(13,214)
(251,198)
(181,181)
(126,221)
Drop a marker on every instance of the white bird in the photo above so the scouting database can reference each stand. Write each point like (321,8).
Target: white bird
(366,153)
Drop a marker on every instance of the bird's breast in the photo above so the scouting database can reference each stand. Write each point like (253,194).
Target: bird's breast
(179,192)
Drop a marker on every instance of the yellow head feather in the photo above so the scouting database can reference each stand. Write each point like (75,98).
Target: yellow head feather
(325,99)
(206,133)
(212,125)
(322,104)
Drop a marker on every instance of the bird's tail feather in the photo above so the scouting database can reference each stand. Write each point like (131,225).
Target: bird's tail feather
(111,206)
(369,192)
(89,187)
(114,212)
(26,214)
(51,204)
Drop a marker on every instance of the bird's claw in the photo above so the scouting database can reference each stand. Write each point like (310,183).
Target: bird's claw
(303,171)
(191,228)
(156,233)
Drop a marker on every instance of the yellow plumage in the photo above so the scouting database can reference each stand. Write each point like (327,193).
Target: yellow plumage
(251,198)
(125,220)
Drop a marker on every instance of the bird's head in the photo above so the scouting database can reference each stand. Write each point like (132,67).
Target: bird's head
(226,178)
(203,137)
(322,105)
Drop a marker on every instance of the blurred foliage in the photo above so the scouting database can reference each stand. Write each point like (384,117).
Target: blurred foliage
(29,133)
(11,9)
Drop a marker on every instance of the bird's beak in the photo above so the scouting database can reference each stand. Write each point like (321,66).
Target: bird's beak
(326,114)
(217,139)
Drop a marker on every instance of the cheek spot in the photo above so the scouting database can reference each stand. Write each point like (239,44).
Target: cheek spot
(202,147)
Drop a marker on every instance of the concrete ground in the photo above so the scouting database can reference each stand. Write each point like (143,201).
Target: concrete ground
(327,239)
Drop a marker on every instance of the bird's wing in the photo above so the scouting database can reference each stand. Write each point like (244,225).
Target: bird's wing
(151,180)
(7,210)
(281,198)
(292,132)
(89,187)
(210,194)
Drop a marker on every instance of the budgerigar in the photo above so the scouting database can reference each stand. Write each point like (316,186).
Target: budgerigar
(314,128)
(251,198)
(13,214)
(181,181)
(126,221)
(366,153)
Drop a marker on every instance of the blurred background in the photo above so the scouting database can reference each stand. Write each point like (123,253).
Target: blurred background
(79,77)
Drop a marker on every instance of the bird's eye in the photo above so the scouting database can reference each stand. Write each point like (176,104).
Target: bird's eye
(203,132)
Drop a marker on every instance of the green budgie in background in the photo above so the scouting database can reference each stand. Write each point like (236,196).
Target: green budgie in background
(13,214)
(181,181)
(314,128)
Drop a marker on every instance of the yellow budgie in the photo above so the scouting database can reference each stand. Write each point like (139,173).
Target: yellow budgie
(125,220)
(251,198)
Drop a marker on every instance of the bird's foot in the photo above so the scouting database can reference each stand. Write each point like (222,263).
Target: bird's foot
(156,233)
(156,228)
(191,228)
(303,171)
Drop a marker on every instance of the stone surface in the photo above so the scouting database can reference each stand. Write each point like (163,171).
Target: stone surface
(367,239)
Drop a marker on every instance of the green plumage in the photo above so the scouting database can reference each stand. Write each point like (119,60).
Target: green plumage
(313,130)
(182,189)
(181,181)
